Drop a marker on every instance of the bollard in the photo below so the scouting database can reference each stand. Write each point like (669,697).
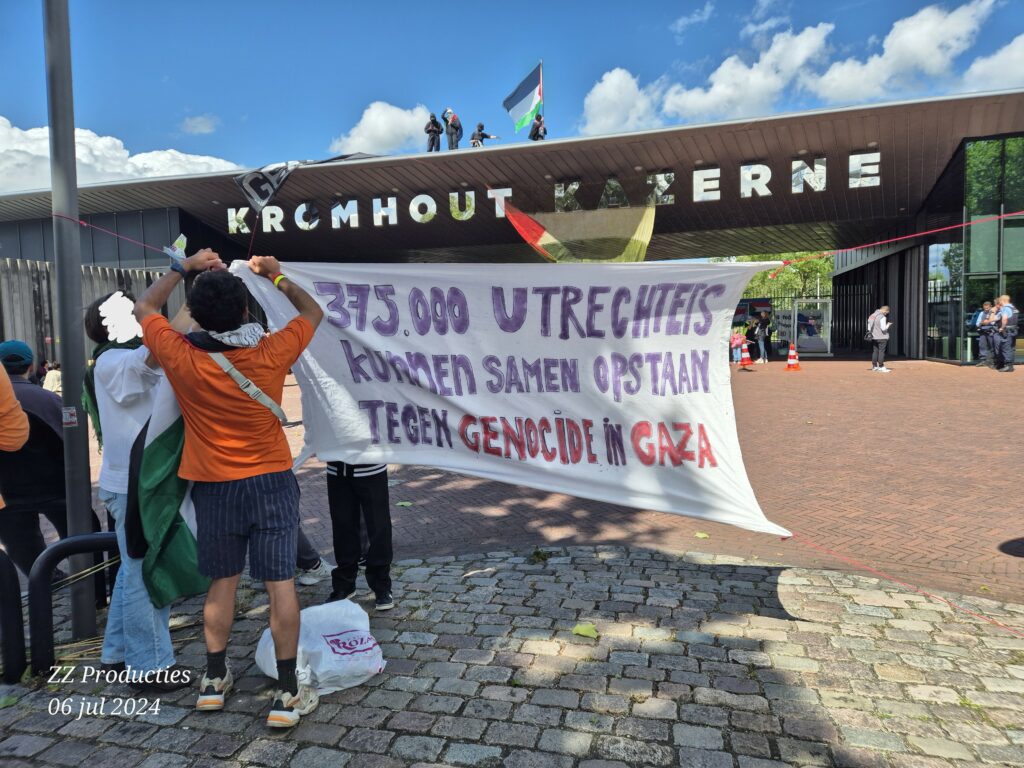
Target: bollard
(40,601)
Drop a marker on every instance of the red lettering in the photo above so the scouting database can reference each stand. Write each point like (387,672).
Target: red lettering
(490,435)
(532,438)
(471,441)
(642,431)
(589,440)
(545,428)
(704,448)
(513,438)
(563,456)
(575,441)
(681,452)
(666,447)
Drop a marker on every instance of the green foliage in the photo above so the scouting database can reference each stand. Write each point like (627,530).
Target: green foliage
(800,279)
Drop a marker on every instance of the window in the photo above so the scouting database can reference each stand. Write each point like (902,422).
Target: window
(983,181)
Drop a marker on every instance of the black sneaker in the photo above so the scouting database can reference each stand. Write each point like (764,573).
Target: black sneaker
(1005,369)
(336,595)
(384,602)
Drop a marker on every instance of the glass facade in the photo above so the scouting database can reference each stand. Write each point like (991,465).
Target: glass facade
(988,260)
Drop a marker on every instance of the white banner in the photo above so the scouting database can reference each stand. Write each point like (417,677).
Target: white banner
(608,382)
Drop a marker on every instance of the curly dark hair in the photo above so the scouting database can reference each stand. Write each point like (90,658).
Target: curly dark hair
(217,301)
(94,327)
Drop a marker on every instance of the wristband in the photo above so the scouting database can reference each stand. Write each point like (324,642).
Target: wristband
(278,279)
(176,266)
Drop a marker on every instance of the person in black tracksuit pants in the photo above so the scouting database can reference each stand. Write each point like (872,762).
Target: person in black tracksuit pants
(433,130)
(359,493)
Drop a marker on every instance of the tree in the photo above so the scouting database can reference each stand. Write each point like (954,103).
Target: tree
(800,279)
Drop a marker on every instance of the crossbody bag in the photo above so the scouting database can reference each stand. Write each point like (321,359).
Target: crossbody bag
(249,387)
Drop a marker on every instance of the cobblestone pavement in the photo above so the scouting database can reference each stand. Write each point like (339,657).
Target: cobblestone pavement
(701,661)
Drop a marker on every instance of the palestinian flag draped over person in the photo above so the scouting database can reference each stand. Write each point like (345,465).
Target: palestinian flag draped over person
(527,99)
(163,530)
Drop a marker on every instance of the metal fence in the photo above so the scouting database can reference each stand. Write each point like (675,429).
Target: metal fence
(28,308)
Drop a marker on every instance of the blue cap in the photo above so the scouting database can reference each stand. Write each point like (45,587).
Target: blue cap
(15,354)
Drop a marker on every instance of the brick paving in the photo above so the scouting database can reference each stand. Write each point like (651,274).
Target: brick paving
(701,660)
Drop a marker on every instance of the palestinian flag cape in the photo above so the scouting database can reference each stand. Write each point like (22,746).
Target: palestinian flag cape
(527,99)
(161,520)
(614,235)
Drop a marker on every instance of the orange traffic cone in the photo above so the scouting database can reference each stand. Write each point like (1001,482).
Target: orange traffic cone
(793,363)
(745,359)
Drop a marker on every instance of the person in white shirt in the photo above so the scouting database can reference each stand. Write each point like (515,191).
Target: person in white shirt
(52,382)
(878,329)
(118,390)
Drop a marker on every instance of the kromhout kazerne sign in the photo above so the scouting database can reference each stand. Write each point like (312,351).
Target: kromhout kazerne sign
(755,180)
(606,382)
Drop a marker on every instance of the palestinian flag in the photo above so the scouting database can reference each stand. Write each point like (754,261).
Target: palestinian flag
(164,526)
(527,99)
(611,235)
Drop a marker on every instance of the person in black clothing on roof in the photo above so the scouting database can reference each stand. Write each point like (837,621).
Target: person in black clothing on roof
(476,139)
(433,130)
(538,131)
(452,127)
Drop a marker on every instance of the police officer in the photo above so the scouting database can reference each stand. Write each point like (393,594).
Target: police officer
(988,326)
(986,335)
(1007,333)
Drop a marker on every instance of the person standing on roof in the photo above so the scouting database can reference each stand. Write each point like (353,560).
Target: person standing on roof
(538,131)
(452,127)
(433,130)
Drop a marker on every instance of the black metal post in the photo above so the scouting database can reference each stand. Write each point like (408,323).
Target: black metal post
(68,263)
(12,625)
(40,591)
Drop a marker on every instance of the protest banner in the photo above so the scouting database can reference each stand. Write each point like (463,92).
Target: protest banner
(606,382)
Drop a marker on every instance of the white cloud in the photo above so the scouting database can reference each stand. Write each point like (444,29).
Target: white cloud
(384,128)
(25,159)
(926,43)
(200,124)
(762,8)
(737,89)
(697,17)
(758,28)
(1003,69)
(617,103)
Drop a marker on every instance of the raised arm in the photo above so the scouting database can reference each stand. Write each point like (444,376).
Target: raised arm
(270,268)
(158,293)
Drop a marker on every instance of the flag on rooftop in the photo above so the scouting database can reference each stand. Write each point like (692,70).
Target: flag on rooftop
(527,99)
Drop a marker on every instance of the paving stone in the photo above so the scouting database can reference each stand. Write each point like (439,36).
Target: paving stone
(366,740)
(416,747)
(565,742)
(940,748)
(697,737)
(491,710)
(165,760)
(633,751)
(531,713)
(318,757)
(473,754)
(523,759)
(550,697)
(459,727)
(664,709)
(23,746)
(589,721)
(873,739)
(702,758)
(418,722)
(117,757)
(512,734)
(267,752)
(67,752)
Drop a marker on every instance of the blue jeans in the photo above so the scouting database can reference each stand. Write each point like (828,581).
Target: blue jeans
(761,349)
(136,632)
(737,354)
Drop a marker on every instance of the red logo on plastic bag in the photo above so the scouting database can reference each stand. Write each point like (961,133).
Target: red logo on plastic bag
(350,642)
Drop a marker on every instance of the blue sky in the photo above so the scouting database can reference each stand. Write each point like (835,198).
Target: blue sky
(259,82)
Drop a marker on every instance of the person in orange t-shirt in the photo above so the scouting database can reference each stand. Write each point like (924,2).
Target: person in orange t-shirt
(245,495)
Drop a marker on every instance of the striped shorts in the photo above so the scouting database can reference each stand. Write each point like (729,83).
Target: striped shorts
(256,514)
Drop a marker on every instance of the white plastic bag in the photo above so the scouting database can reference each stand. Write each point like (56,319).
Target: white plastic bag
(334,643)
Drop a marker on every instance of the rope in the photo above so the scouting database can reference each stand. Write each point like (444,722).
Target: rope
(826,254)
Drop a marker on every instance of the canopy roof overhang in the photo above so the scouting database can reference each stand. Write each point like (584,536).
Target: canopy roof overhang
(915,141)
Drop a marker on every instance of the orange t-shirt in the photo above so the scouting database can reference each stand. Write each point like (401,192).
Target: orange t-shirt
(13,421)
(228,435)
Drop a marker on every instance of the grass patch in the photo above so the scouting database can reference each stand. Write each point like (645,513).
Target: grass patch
(1017,657)
(540,557)
(8,701)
